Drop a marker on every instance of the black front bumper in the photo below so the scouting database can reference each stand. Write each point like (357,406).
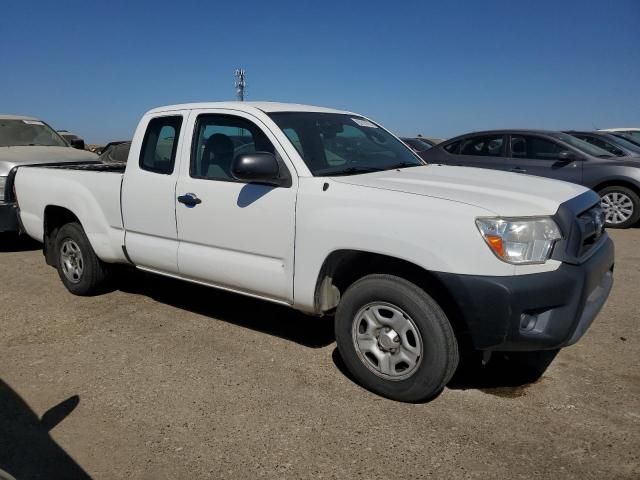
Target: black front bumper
(9,218)
(540,311)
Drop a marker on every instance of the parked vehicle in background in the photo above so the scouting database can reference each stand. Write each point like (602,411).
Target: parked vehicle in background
(431,140)
(28,141)
(72,139)
(418,145)
(99,150)
(115,152)
(616,145)
(327,212)
(554,155)
(634,133)
(627,137)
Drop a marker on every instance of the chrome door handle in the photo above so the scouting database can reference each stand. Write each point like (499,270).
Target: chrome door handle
(518,170)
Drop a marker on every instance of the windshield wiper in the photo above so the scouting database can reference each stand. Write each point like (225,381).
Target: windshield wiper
(357,170)
(404,165)
(354,171)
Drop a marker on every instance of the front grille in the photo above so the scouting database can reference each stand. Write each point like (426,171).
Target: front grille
(581,221)
(591,228)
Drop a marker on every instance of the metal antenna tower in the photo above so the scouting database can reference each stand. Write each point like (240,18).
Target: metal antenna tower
(240,83)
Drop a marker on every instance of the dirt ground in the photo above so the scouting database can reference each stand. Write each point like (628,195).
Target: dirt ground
(166,380)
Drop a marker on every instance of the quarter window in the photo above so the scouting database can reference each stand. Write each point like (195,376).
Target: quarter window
(221,138)
(487,146)
(158,153)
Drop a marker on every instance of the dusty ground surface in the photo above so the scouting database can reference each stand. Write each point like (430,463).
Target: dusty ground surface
(166,380)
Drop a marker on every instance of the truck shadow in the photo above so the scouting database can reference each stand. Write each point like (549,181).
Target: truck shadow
(10,242)
(501,378)
(247,312)
(26,448)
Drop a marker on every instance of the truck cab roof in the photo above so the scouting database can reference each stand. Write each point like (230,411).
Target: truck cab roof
(267,107)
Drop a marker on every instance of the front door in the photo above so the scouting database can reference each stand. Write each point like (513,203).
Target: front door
(233,234)
(540,156)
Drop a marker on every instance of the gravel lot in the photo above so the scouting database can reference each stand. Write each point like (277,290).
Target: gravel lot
(162,379)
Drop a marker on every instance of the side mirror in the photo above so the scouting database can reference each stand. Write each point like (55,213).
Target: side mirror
(77,143)
(567,156)
(257,167)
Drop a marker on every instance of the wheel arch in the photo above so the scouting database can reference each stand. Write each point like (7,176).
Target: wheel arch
(342,268)
(618,182)
(55,217)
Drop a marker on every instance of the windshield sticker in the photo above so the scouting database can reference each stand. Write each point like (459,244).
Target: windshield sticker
(33,122)
(364,123)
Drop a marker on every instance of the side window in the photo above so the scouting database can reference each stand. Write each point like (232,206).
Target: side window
(221,138)
(158,153)
(525,146)
(453,147)
(487,146)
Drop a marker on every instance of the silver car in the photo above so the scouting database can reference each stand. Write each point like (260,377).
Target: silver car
(29,141)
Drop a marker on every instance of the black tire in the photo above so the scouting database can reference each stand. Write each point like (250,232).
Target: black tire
(440,355)
(95,274)
(635,201)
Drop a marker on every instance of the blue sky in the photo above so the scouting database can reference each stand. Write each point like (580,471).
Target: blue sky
(436,68)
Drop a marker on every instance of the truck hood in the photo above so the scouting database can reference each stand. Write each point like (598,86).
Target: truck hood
(31,155)
(501,193)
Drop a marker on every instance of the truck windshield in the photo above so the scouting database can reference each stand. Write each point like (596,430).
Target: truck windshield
(341,144)
(15,133)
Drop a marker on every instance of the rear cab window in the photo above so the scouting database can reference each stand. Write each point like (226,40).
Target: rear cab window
(158,152)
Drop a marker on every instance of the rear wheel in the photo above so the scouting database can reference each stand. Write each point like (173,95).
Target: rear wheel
(81,271)
(621,206)
(395,339)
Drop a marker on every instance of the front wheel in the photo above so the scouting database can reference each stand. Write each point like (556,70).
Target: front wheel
(621,206)
(80,269)
(395,339)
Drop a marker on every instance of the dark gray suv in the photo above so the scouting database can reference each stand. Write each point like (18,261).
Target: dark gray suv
(555,155)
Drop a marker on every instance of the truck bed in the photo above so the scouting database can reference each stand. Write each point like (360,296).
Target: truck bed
(89,191)
(89,167)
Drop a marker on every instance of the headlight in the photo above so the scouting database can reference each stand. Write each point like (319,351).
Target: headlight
(520,240)
(3,184)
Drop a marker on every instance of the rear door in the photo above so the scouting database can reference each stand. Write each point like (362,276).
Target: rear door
(148,192)
(238,235)
(482,151)
(536,155)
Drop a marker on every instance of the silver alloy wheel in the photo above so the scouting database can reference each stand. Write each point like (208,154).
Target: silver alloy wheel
(71,260)
(618,207)
(387,341)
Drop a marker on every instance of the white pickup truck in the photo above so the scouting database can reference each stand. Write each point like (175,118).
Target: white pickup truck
(327,212)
